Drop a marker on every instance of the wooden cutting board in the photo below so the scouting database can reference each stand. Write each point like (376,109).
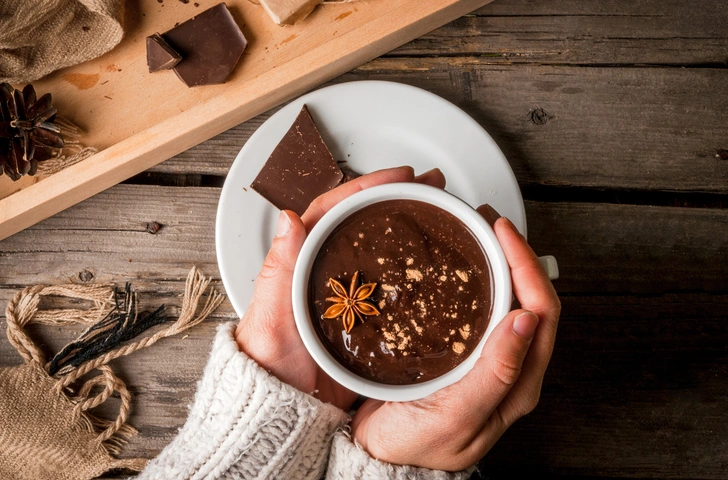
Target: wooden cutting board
(137,119)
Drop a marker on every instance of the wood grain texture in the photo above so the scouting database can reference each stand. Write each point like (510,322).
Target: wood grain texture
(582,97)
(651,129)
(636,389)
(277,66)
(601,248)
(653,32)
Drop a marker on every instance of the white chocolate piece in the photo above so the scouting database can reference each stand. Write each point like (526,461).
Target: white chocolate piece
(288,12)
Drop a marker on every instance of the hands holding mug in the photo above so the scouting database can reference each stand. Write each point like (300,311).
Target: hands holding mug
(452,428)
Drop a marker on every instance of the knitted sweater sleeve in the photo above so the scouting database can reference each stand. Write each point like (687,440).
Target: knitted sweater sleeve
(348,461)
(246,424)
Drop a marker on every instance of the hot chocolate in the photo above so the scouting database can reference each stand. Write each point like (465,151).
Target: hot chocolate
(400,292)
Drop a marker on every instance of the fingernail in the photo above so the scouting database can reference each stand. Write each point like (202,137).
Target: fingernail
(284,224)
(431,172)
(410,169)
(509,223)
(511,226)
(489,213)
(525,325)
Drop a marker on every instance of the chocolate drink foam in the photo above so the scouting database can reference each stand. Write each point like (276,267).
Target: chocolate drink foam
(433,291)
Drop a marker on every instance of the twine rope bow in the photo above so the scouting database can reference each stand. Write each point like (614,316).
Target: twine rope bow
(22,310)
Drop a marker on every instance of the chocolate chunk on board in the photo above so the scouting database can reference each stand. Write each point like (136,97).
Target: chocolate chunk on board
(210,43)
(160,56)
(300,168)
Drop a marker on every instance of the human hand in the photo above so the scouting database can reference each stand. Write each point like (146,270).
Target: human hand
(454,427)
(267,332)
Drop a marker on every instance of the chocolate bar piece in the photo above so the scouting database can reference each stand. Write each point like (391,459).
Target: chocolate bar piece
(210,43)
(160,56)
(300,168)
(288,12)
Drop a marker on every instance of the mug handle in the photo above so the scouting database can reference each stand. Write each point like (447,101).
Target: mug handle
(548,262)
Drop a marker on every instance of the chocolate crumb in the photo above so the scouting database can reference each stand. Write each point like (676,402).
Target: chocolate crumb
(410,261)
(380,261)
(413,274)
(463,276)
(418,329)
(465,331)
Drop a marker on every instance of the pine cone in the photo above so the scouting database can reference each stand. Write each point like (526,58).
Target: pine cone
(27,132)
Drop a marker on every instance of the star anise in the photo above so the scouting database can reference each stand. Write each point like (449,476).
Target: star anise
(352,304)
(27,132)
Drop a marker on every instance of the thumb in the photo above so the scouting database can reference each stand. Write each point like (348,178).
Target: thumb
(499,366)
(276,275)
(272,293)
(267,332)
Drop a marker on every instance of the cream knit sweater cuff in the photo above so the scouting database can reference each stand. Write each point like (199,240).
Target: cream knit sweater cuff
(245,423)
(350,462)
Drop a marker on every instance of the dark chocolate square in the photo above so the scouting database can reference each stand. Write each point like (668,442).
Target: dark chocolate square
(300,168)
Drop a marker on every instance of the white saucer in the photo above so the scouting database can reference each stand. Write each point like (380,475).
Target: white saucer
(371,125)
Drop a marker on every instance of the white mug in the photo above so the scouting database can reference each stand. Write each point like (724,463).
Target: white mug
(500,285)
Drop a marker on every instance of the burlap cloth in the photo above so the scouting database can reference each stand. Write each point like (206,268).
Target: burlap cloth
(40,36)
(47,429)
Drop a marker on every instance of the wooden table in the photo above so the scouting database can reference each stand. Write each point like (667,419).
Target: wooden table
(614,116)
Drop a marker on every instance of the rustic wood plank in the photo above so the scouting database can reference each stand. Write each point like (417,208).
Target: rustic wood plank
(654,32)
(632,248)
(600,247)
(627,128)
(280,65)
(612,249)
(636,388)
(214,156)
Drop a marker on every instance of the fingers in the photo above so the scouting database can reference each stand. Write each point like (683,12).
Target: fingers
(532,288)
(531,284)
(272,294)
(328,200)
(498,367)
(365,411)
(489,214)
(535,292)
(434,178)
